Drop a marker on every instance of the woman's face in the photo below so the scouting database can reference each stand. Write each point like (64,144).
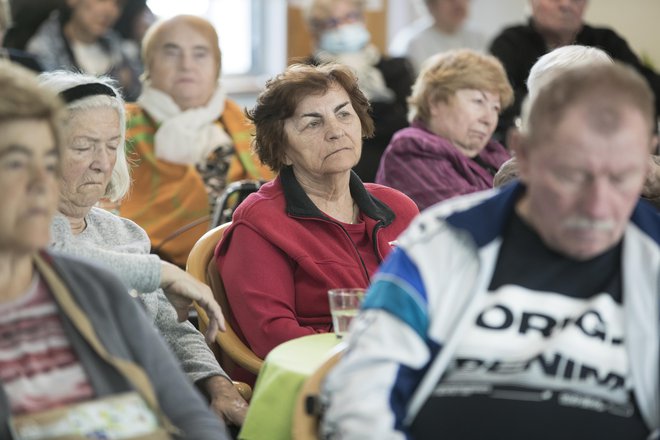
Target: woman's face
(95,17)
(92,138)
(183,66)
(28,177)
(324,135)
(468,120)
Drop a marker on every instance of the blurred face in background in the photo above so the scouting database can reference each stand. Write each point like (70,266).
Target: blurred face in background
(343,30)
(449,15)
(562,17)
(93,18)
(184,67)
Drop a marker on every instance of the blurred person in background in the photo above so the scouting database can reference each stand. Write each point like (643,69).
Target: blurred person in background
(316,226)
(79,36)
(340,35)
(94,166)
(132,24)
(552,24)
(443,30)
(17,56)
(547,67)
(448,150)
(187,140)
(79,357)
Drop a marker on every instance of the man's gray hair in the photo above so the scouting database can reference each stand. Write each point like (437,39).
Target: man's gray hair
(561,59)
(553,64)
(59,81)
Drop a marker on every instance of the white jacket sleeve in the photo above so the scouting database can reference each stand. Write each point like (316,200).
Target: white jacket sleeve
(367,391)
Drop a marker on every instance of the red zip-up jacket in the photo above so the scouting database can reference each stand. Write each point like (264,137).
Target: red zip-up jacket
(282,254)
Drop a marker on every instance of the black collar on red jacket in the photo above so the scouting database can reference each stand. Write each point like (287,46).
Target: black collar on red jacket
(299,204)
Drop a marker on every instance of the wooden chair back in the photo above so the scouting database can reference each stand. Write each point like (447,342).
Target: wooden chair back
(230,349)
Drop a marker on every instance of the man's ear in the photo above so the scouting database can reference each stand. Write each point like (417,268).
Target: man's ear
(512,138)
(519,145)
(654,145)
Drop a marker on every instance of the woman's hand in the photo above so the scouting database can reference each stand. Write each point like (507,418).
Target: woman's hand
(226,402)
(182,289)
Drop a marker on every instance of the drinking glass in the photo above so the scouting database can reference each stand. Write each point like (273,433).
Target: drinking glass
(344,306)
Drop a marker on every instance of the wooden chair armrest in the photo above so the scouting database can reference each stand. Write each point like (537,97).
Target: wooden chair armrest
(231,344)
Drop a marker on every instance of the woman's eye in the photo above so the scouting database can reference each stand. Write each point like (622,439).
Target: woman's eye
(52,167)
(13,164)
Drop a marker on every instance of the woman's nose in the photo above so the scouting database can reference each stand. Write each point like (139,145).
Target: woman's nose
(102,160)
(335,130)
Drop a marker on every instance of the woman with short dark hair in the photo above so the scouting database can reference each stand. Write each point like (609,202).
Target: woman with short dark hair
(316,226)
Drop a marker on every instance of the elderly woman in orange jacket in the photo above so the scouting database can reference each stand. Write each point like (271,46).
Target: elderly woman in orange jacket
(188,139)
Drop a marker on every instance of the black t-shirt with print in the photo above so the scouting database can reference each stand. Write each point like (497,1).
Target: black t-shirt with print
(545,356)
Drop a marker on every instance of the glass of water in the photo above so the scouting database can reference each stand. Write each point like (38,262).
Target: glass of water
(344,306)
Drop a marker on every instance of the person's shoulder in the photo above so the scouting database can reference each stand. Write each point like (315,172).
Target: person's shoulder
(646,217)
(406,133)
(406,35)
(82,274)
(435,220)
(400,203)
(514,33)
(418,140)
(115,224)
(263,204)
(598,36)
(232,106)
(48,29)
(25,59)
(136,116)
(133,110)
(516,29)
(396,67)
(385,192)
(598,30)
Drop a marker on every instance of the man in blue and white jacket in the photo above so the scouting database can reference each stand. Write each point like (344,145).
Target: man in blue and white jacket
(530,312)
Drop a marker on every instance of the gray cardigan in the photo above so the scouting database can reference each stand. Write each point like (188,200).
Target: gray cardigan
(125,332)
(123,247)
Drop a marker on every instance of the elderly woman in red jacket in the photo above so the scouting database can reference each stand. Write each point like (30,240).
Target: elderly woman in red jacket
(316,226)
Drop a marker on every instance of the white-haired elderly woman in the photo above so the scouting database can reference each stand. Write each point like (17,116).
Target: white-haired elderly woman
(75,346)
(94,166)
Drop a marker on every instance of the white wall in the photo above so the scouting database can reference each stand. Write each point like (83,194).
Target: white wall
(635,20)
